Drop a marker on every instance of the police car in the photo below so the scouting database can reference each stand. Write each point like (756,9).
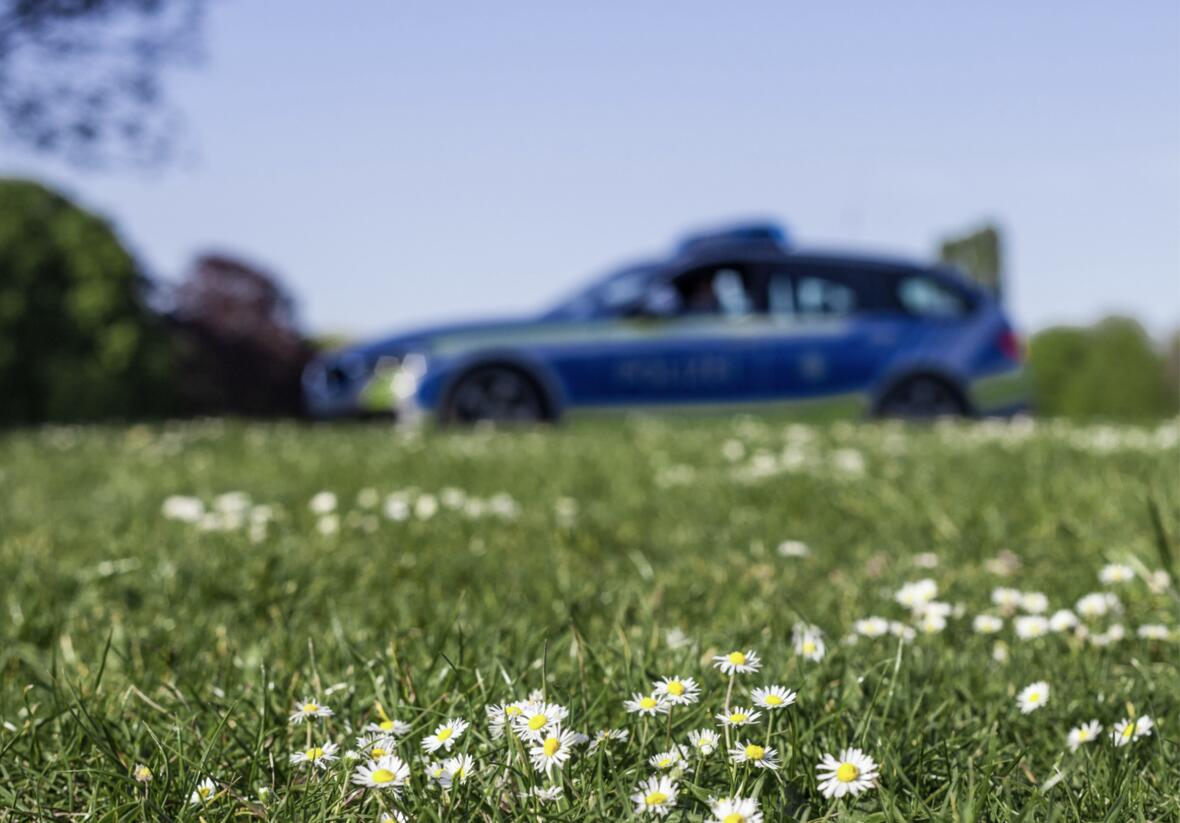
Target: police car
(737,317)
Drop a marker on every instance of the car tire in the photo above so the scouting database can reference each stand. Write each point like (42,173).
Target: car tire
(495,394)
(922,398)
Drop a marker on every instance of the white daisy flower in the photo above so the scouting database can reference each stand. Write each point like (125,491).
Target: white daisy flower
(388,772)
(704,741)
(734,810)
(375,747)
(851,773)
(1033,696)
(205,792)
(793,548)
(1158,581)
(457,770)
(445,735)
(675,758)
(392,816)
(931,623)
(536,717)
(1130,729)
(901,630)
(763,757)
(1030,626)
(547,794)
(322,503)
(389,728)
(872,627)
(1034,602)
(773,697)
(1097,604)
(1063,620)
(647,705)
(987,624)
(308,709)
(738,716)
(604,736)
(809,643)
(916,594)
(1153,631)
(142,773)
(738,662)
(502,714)
(655,796)
(437,772)
(319,757)
(679,691)
(552,749)
(1008,600)
(1085,733)
(1115,573)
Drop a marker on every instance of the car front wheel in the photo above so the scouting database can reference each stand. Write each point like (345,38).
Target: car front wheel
(495,394)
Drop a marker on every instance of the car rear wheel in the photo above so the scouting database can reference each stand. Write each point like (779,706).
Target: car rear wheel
(495,394)
(922,398)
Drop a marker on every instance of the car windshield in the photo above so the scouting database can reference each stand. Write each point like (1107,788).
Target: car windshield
(607,296)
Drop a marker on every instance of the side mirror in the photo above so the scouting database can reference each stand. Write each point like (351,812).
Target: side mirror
(661,300)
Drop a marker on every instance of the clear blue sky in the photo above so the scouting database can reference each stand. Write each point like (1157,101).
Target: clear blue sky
(400,162)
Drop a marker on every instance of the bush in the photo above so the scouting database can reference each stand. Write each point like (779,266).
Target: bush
(77,339)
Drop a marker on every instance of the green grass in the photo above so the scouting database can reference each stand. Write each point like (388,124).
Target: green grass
(131,638)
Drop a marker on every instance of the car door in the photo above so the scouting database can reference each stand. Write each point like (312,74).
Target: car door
(830,333)
(692,342)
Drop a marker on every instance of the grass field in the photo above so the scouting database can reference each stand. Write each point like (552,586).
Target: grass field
(457,571)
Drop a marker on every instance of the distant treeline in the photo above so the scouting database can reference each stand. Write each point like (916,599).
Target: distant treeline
(85,335)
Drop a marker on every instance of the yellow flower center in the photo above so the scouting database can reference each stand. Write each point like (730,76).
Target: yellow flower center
(1033,697)
(648,702)
(143,772)
(675,688)
(550,746)
(808,647)
(314,753)
(755,752)
(445,734)
(847,773)
(738,717)
(1083,734)
(385,725)
(734,818)
(737,658)
(656,799)
(204,791)
(310,708)
(382,776)
(665,762)
(377,751)
(772,700)
(1130,730)
(513,711)
(537,721)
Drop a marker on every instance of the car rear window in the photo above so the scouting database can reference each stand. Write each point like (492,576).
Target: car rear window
(926,297)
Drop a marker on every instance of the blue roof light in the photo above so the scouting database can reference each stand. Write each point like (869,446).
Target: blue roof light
(741,234)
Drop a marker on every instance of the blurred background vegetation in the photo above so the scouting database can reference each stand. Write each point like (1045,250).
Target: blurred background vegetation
(85,334)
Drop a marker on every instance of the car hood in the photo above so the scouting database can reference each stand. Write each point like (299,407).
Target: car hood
(423,338)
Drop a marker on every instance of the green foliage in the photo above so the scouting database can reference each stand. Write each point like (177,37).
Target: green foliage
(76,340)
(127,637)
(979,254)
(1109,370)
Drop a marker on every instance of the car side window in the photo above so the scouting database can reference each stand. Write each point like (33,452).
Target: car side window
(781,296)
(716,290)
(816,295)
(925,297)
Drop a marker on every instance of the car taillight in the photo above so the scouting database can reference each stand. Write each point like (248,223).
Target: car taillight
(1010,345)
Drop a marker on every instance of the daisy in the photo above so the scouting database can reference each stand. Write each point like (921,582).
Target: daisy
(549,794)
(204,793)
(1153,631)
(389,728)
(872,627)
(916,594)
(605,736)
(793,548)
(457,769)
(1063,620)
(1033,696)
(1030,626)
(734,810)
(931,622)
(674,758)
(1131,729)
(986,624)
(445,735)
(1008,600)
(535,717)
(809,643)
(899,629)
(704,741)
(376,747)
(142,773)
(851,773)
(1034,602)
(738,662)
(319,757)
(389,772)
(393,816)
(773,697)
(552,750)
(679,691)
(322,503)
(738,716)
(501,715)
(656,795)
(309,708)
(1085,733)
(1096,604)
(647,704)
(764,757)
(1115,573)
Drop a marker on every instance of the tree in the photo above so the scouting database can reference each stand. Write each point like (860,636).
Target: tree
(82,78)
(77,340)
(979,253)
(240,349)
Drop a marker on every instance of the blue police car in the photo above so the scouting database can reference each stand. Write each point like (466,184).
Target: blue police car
(732,318)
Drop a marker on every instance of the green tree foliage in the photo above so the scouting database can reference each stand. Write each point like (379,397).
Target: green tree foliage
(1109,370)
(979,253)
(76,338)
